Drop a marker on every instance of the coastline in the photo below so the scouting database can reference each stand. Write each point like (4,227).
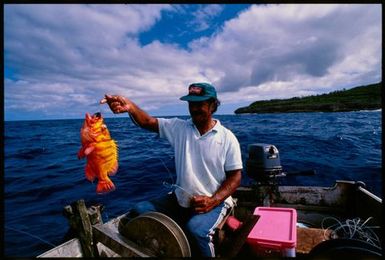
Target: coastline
(355,99)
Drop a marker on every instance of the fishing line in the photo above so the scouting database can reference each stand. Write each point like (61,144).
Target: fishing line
(133,120)
(105,197)
(171,186)
(31,235)
(148,147)
(165,183)
(163,163)
(352,229)
(136,123)
(165,166)
(97,107)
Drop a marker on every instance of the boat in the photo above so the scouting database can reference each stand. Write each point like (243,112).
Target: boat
(342,220)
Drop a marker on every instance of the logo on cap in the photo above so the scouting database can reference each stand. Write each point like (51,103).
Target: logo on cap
(195,91)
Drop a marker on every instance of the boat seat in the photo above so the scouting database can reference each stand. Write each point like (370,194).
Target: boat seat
(231,234)
(219,232)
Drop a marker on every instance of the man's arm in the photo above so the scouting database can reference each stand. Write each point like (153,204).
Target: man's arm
(203,204)
(119,104)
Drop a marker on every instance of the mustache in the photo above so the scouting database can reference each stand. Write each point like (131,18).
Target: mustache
(196,113)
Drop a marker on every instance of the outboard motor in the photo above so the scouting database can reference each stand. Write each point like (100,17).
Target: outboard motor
(264,162)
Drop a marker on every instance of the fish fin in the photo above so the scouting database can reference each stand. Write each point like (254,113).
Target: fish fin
(90,175)
(84,151)
(81,153)
(114,169)
(105,186)
(89,150)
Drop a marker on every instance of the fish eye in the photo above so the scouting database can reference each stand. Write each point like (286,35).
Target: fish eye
(98,115)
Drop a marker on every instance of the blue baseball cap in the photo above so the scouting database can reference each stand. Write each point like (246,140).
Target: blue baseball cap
(200,92)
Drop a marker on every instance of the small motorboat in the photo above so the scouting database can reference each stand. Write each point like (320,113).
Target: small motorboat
(342,220)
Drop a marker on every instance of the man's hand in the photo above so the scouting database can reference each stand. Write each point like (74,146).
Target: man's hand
(120,104)
(203,204)
(117,104)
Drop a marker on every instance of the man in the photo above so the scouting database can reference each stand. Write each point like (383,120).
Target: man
(207,160)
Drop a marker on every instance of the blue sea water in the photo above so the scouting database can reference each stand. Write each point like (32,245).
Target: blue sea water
(42,173)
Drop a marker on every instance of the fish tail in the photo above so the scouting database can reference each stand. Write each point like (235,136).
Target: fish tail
(105,186)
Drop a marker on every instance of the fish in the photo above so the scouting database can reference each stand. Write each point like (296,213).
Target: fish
(101,152)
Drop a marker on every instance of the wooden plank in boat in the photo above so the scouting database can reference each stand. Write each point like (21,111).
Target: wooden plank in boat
(307,238)
(112,239)
(71,248)
(105,251)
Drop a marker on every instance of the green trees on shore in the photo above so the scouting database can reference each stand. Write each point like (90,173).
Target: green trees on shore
(358,98)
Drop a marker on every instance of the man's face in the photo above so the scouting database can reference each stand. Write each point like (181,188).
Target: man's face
(200,111)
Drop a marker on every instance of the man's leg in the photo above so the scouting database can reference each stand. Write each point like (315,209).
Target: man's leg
(166,204)
(201,228)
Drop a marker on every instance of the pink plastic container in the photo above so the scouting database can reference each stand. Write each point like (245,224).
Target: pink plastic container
(275,233)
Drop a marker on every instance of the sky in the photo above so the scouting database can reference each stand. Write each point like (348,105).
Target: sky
(60,60)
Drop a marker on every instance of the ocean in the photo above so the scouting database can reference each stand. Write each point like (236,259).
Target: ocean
(42,173)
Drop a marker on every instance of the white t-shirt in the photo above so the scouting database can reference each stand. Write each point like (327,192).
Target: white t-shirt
(200,161)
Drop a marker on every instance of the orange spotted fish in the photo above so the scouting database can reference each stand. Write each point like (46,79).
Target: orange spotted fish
(101,152)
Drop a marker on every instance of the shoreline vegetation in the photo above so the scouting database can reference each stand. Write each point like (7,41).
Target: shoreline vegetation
(358,98)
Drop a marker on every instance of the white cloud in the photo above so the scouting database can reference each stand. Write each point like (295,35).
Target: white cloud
(296,43)
(69,56)
(203,16)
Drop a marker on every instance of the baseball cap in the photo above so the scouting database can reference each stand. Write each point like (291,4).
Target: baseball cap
(200,92)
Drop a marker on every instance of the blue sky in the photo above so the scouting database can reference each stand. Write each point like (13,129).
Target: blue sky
(59,60)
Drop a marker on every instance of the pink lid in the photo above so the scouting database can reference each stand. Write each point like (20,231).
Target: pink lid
(275,227)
